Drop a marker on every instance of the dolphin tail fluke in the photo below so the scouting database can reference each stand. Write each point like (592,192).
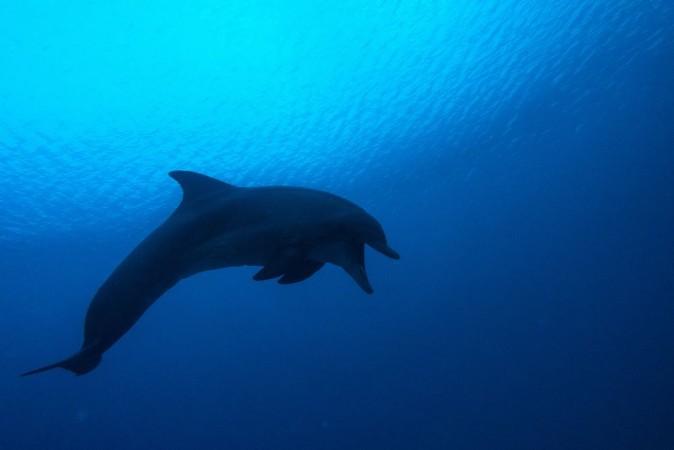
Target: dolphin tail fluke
(80,363)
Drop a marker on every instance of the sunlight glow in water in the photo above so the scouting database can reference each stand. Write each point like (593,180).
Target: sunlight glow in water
(100,99)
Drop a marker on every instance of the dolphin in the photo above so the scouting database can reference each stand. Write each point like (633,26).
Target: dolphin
(291,232)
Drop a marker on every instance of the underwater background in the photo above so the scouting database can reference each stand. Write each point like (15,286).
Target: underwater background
(519,155)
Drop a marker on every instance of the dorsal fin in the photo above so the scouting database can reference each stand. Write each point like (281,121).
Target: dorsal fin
(196,185)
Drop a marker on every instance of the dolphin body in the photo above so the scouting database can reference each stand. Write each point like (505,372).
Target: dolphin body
(291,232)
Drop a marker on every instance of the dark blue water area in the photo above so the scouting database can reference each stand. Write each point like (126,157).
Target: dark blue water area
(532,307)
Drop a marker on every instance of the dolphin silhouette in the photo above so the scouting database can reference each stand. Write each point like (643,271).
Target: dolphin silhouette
(291,232)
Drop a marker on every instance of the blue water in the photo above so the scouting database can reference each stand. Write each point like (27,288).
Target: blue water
(519,154)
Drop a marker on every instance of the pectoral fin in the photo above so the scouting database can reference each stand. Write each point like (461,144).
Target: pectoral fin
(301,271)
(278,265)
(354,265)
(290,266)
(349,255)
(268,272)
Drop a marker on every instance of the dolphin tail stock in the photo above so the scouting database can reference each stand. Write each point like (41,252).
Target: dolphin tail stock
(80,363)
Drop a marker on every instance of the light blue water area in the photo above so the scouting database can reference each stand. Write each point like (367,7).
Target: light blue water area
(100,99)
(519,155)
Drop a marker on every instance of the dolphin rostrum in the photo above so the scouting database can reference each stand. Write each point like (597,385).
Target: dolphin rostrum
(291,232)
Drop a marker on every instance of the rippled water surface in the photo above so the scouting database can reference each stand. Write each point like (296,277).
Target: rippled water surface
(99,100)
(519,154)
